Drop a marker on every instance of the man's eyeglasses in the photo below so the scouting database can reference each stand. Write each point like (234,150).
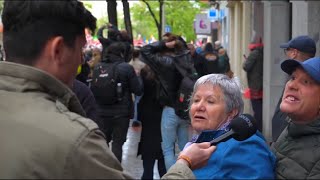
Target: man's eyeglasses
(286,50)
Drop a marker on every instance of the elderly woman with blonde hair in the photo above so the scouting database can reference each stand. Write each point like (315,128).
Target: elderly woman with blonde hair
(215,101)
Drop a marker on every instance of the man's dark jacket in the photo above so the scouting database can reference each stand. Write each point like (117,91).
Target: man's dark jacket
(254,68)
(164,67)
(86,99)
(297,151)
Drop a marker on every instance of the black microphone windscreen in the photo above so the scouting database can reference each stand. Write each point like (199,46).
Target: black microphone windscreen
(244,127)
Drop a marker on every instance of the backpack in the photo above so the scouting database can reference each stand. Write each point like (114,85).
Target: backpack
(183,97)
(184,92)
(104,83)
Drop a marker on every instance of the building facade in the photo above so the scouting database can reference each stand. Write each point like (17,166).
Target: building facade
(276,22)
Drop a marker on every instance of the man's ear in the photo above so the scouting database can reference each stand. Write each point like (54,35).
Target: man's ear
(57,49)
(52,56)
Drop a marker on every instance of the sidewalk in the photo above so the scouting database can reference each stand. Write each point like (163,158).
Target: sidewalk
(130,162)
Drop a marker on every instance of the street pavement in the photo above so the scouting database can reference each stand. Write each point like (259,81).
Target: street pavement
(130,162)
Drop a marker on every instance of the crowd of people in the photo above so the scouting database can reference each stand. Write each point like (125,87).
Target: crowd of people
(60,122)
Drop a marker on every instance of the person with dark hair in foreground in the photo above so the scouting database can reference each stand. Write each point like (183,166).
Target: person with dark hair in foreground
(43,132)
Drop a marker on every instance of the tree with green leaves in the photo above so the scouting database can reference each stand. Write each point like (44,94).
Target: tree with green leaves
(142,21)
(179,15)
(158,21)
(87,5)
(1,6)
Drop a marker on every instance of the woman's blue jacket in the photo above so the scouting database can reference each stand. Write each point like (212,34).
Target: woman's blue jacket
(248,159)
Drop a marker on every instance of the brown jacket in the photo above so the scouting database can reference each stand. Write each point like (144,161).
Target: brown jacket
(44,135)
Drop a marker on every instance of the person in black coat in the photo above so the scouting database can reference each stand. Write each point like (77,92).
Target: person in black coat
(164,57)
(195,58)
(149,113)
(208,61)
(116,117)
(86,99)
(113,35)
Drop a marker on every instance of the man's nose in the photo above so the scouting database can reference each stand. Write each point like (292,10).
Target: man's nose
(292,85)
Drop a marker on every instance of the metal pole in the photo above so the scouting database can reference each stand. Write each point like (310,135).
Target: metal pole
(163,18)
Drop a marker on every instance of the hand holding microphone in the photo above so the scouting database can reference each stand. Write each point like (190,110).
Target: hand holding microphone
(197,154)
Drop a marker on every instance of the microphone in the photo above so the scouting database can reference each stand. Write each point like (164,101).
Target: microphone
(241,128)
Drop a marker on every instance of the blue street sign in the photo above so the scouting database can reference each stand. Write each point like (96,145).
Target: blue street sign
(213,14)
(167,28)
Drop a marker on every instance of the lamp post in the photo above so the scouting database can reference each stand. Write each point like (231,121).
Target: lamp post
(163,17)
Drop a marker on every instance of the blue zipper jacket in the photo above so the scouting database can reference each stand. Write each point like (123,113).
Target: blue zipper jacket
(248,159)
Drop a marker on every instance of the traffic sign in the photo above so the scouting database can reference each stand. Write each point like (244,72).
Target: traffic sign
(167,28)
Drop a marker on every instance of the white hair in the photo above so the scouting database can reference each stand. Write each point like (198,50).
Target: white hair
(230,87)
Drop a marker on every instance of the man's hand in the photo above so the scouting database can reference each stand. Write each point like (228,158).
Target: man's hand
(196,155)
